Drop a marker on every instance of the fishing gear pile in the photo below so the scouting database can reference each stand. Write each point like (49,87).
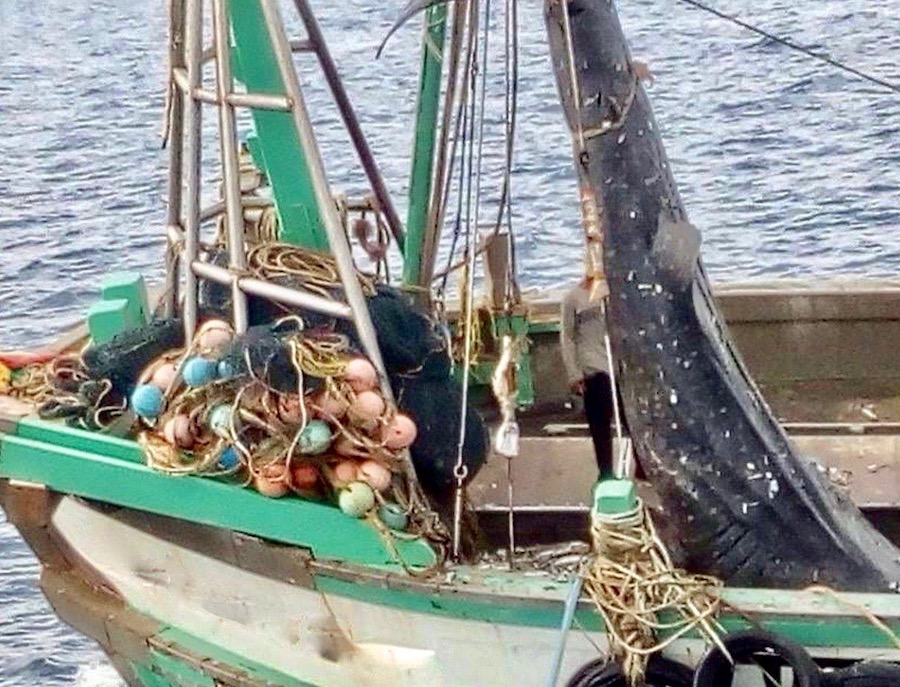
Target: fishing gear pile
(290,406)
(285,409)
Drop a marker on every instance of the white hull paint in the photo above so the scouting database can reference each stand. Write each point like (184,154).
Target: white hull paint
(297,631)
(323,639)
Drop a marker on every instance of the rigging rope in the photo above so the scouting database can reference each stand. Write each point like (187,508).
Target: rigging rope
(794,46)
(632,580)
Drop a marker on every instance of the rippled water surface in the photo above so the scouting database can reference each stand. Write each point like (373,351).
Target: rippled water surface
(790,168)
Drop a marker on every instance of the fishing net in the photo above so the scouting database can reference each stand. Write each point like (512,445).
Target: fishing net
(121,359)
(434,405)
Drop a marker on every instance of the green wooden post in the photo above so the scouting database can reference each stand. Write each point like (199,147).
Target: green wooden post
(278,145)
(423,146)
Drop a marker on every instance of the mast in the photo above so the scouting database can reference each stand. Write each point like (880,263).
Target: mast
(427,109)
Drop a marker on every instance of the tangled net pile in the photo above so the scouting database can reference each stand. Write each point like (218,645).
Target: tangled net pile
(61,388)
(646,603)
(291,405)
(286,410)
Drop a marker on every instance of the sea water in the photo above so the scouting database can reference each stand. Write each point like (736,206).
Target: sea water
(790,167)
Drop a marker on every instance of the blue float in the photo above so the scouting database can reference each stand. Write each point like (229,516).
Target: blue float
(147,401)
(228,459)
(394,516)
(199,371)
(226,369)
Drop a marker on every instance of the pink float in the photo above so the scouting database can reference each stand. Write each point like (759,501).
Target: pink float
(178,431)
(214,335)
(344,472)
(399,432)
(304,477)
(361,375)
(327,406)
(270,480)
(366,407)
(163,376)
(375,474)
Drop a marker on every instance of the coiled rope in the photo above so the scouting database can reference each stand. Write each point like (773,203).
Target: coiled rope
(632,582)
(316,272)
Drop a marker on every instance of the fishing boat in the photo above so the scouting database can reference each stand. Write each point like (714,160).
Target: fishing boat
(191,569)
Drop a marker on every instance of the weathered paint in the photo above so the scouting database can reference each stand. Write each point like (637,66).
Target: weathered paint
(59,434)
(318,526)
(274,632)
(212,652)
(420,178)
(278,144)
(729,479)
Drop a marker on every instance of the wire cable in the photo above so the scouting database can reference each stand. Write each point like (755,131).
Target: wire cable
(794,46)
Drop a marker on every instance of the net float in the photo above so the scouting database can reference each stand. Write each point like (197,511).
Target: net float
(304,477)
(270,480)
(214,335)
(375,474)
(357,499)
(394,516)
(220,419)
(226,369)
(199,371)
(400,432)
(325,405)
(344,472)
(360,374)
(344,446)
(366,407)
(147,401)
(178,431)
(164,376)
(228,459)
(315,438)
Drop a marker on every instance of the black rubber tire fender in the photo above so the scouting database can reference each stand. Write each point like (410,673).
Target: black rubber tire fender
(864,674)
(715,670)
(661,672)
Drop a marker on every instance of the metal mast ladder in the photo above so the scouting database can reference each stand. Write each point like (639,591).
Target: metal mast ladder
(184,216)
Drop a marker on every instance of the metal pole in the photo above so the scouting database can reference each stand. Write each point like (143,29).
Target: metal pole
(337,239)
(622,468)
(176,150)
(427,110)
(283,294)
(228,145)
(370,167)
(193,38)
(569,609)
(436,208)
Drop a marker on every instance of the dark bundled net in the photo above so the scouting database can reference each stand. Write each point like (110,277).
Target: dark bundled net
(434,405)
(263,353)
(406,335)
(122,359)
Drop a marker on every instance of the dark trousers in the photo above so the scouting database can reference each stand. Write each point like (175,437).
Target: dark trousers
(598,409)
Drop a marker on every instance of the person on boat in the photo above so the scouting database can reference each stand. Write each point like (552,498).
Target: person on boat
(582,342)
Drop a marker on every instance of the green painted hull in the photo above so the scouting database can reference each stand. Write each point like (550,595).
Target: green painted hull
(135,521)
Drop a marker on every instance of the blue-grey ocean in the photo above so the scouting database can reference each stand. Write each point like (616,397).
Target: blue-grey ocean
(790,167)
